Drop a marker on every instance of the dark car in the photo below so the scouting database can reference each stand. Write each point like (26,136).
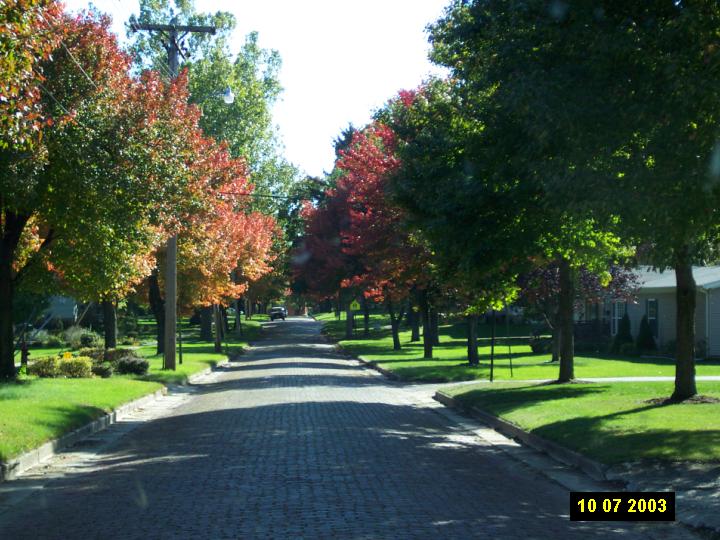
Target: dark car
(278,312)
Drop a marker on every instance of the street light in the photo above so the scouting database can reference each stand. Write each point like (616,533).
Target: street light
(228,96)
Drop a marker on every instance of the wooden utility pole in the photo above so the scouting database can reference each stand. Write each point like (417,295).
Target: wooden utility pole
(173,34)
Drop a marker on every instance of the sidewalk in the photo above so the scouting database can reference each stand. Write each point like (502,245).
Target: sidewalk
(696,485)
(706,378)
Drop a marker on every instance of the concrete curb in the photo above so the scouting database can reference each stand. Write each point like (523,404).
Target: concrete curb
(372,365)
(11,469)
(594,469)
(195,377)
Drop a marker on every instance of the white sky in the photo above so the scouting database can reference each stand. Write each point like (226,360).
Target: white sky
(341,59)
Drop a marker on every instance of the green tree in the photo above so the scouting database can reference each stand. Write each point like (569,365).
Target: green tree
(617,102)
(510,151)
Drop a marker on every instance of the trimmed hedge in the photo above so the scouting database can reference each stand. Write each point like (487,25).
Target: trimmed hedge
(46,366)
(78,367)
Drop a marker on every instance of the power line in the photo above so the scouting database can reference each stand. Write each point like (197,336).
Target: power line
(57,102)
(164,68)
(72,56)
(264,196)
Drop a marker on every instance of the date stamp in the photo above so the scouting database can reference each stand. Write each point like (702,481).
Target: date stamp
(622,506)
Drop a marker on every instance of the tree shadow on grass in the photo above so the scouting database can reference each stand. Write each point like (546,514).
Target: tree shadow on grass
(601,437)
(501,401)
(596,437)
(52,422)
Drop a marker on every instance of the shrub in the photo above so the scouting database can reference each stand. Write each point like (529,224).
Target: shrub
(95,353)
(669,347)
(623,335)
(113,355)
(78,337)
(53,340)
(78,367)
(91,339)
(594,346)
(628,349)
(645,340)
(132,365)
(540,345)
(37,337)
(46,366)
(104,370)
(128,340)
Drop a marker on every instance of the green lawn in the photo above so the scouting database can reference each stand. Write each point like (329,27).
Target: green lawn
(450,357)
(610,422)
(198,355)
(35,411)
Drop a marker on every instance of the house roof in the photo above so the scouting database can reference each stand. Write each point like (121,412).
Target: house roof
(706,277)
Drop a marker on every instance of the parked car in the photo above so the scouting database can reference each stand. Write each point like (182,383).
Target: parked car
(278,312)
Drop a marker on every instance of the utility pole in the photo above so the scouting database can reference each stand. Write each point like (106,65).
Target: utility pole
(173,35)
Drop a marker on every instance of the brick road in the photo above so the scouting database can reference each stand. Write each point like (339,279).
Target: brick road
(295,441)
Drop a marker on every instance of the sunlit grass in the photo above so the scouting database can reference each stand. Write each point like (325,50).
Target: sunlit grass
(449,362)
(35,411)
(611,422)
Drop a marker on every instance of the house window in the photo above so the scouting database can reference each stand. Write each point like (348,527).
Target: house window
(592,311)
(618,310)
(651,310)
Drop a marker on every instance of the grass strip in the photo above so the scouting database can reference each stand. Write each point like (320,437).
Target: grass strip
(34,411)
(609,422)
(449,362)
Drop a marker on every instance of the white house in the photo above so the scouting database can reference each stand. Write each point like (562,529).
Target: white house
(656,299)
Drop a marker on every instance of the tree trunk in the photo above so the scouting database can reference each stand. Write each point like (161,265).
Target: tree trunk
(555,344)
(685,355)
(566,300)
(12,229)
(366,317)
(109,324)
(225,320)
(206,322)
(414,321)
(394,325)
(472,347)
(435,324)
(218,328)
(238,319)
(427,331)
(7,335)
(348,322)
(157,305)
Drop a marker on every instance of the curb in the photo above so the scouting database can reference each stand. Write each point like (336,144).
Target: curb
(594,469)
(192,379)
(11,469)
(372,365)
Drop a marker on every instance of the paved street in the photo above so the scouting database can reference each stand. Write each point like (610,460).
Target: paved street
(295,441)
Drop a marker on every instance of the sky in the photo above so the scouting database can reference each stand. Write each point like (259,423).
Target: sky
(341,60)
